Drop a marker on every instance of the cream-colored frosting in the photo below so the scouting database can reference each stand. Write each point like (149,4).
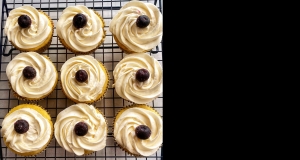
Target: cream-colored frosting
(34,139)
(44,81)
(83,39)
(123,26)
(124,131)
(83,91)
(131,89)
(30,37)
(66,120)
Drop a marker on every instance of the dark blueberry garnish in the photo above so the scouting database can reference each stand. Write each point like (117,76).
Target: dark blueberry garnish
(79,20)
(142,75)
(142,21)
(21,126)
(81,75)
(81,129)
(142,132)
(29,72)
(24,21)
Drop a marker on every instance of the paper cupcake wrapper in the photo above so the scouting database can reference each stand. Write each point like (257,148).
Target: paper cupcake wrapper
(97,99)
(41,48)
(145,106)
(51,135)
(88,52)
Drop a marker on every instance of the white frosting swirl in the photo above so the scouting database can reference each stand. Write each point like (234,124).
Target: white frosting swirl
(124,131)
(123,26)
(84,39)
(131,89)
(31,37)
(83,91)
(34,139)
(44,81)
(66,120)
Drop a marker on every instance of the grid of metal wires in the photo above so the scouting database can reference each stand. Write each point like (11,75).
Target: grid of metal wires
(108,53)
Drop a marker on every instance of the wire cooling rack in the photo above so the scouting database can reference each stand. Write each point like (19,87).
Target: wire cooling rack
(108,53)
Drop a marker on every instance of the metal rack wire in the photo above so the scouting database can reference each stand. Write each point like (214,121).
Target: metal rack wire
(108,53)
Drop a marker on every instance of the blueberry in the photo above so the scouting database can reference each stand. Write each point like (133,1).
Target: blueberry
(142,21)
(81,129)
(24,21)
(79,20)
(142,132)
(29,72)
(142,75)
(21,126)
(81,75)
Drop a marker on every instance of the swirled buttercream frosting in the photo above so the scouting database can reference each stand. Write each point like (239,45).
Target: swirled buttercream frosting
(125,124)
(128,87)
(33,37)
(37,136)
(41,85)
(91,89)
(128,34)
(93,140)
(80,40)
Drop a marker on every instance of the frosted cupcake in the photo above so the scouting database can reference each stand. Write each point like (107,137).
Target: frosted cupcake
(81,129)
(29,29)
(137,129)
(80,29)
(138,78)
(27,129)
(137,27)
(84,79)
(31,76)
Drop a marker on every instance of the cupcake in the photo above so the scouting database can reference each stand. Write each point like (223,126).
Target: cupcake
(81,129)
(80,29)
(27,129)
(137,27)
(138,78)
(29,29)
(31,76)
(84,79)
(137,129)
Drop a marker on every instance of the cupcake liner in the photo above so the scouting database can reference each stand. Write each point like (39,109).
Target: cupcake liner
(43,47)
(35,99)
(145,106)
(88,52)
(87,152)
(98,98)
(33,153)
